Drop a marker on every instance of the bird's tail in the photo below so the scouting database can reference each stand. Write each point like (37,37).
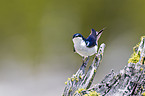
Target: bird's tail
(98,34)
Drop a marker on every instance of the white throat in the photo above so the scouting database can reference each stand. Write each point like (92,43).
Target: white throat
(78,40)
(82,49)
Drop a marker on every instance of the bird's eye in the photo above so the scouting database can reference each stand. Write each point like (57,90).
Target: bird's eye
(78,35)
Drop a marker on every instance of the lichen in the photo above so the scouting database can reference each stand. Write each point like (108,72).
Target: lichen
(142,37)
(141,87)
(79,90)
(95,70)
(80,77)
(135,48)
(143,60)
(70,90)
(92,93)
(72,79)
(66,83)
(141,69)
(143,94)
(76,79)
(134,58)
(68,79)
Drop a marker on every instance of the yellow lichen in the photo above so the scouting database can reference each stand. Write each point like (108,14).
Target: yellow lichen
(80,77)
(74,75)
(95,70)
(143,94)
(70,90)
(136,47)
(66,83)
(134,58)
(72,79)
(68,79)
(143,60)
(79,90)
(141,87)
(92,93)
(141,69)
(142,37)
(76,79)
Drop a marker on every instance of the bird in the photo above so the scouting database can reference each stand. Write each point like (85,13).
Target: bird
(86,47)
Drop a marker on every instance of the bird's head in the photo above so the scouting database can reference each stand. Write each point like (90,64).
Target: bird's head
(77,35)
(77,38)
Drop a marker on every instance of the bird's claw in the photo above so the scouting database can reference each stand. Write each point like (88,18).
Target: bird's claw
(85,62)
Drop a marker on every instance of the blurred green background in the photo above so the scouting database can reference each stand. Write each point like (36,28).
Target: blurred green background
(36,49)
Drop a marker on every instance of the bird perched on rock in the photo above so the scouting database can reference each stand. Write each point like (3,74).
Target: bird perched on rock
(86,46)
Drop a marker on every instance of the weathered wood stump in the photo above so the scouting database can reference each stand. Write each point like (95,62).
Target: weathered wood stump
(129,81)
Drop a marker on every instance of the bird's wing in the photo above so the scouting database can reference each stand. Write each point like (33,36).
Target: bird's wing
(91,40)
(93,33)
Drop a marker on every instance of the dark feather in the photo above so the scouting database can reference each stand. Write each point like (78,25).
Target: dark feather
(91,40)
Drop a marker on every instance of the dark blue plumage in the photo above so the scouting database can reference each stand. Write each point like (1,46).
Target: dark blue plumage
(86,46)
(91,40)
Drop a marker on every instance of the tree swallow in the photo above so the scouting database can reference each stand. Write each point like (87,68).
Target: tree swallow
(86,46)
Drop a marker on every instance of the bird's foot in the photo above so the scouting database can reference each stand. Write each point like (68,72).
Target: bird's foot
(85,62)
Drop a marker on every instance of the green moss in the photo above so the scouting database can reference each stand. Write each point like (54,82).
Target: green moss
(134,58)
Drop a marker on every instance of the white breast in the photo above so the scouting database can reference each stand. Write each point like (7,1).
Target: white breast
(82,49)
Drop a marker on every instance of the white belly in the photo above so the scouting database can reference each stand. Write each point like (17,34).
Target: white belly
(82,49)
